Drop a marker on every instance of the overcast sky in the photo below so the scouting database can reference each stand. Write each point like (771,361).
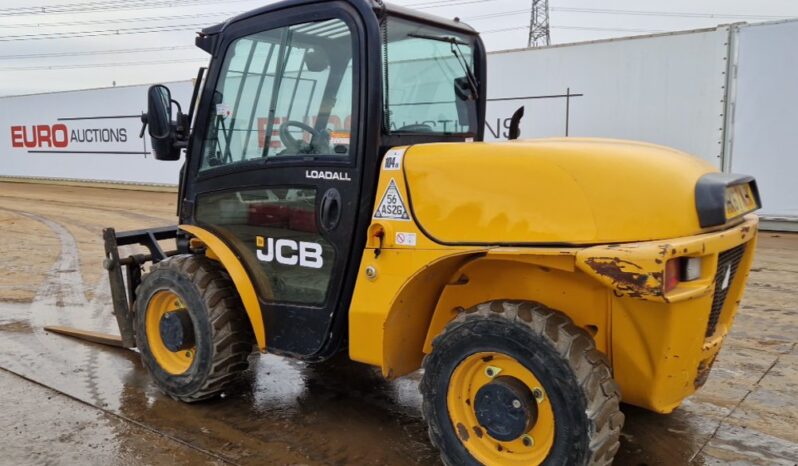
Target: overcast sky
(143,41)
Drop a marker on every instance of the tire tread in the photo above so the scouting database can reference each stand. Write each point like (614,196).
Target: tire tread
(231,334)
(574,345)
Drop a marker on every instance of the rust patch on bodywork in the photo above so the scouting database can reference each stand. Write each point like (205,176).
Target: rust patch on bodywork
(627,277)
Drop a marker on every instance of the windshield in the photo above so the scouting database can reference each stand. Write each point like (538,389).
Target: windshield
(430,86)
(283,92)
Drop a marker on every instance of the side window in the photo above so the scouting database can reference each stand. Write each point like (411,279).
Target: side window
(429,79)
(281,93)
(275,232)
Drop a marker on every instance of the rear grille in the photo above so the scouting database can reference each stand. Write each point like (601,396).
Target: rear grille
(728,262)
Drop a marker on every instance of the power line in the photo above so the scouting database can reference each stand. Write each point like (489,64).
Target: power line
(587,28)
(26,56)
(103,65)
(496,15)
(117,20)
(443,3)
(608,11)
(580,28)
(104,32)
(92,7)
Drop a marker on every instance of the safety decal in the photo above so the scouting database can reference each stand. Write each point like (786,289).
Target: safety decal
(392,206)
(393,160)
(405,239)
(339,138)
(223,110)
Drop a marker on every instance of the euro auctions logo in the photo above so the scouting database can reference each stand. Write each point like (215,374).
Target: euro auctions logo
(40,136)
(80,135)
(58,135)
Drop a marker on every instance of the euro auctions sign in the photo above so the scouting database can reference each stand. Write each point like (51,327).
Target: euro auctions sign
(83,135)
(36,138)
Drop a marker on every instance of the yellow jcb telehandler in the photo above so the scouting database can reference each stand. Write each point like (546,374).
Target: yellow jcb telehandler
(336,195)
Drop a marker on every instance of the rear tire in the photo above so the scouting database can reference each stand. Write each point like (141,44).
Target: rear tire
(581,424)
(222,336)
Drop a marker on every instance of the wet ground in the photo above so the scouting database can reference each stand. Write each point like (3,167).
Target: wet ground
(64,401)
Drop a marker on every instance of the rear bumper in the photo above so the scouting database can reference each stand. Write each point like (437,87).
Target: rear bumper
(663,345)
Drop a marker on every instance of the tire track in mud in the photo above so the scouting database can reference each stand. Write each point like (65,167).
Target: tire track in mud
(91,208)
(115,414)
(61,297)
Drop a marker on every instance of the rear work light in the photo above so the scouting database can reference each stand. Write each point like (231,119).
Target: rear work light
(681,269)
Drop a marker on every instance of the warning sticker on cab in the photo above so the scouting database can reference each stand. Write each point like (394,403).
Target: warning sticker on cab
(339,138)
(223,110)
(392,206)
(405,239)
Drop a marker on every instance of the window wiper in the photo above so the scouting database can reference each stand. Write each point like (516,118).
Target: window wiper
(472,80)
(458,53)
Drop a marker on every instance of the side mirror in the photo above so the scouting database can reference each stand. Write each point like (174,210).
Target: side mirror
(164,137)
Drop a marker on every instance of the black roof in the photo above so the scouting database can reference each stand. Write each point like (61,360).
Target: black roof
(373,5)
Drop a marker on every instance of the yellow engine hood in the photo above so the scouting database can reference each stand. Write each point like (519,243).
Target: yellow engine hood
(575,191)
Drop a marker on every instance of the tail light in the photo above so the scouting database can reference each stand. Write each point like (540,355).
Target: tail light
(672,272)
(681,269)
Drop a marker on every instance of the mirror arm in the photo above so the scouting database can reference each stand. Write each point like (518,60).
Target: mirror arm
(144,121)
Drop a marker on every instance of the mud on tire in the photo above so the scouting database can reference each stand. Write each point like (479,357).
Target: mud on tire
(576,377)
(223,336)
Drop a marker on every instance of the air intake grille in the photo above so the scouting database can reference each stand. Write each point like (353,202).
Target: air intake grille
(728,263)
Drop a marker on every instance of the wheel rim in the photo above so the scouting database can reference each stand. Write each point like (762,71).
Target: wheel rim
(472,374)
(173,362)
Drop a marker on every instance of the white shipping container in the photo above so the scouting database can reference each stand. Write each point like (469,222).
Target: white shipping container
(764,114)
(667,89)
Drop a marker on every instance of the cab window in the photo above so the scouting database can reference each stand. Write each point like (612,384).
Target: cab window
(430,85)
(285,92)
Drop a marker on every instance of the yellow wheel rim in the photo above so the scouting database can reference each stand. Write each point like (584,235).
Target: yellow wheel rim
(471,375)
(173,362)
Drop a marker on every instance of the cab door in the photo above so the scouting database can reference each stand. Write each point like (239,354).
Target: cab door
(276,164)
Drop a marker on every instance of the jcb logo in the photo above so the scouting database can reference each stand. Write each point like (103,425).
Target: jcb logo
(289,252)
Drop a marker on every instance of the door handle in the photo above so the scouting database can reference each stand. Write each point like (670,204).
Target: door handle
(330,212)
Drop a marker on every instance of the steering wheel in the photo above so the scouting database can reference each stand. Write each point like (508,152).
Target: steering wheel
(294,146)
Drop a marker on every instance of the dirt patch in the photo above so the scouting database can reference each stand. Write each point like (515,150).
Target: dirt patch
(18,326)
(27,249)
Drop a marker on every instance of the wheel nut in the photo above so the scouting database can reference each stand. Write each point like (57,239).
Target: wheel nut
(516,404)
(528,441)
(492,371)
(537,392)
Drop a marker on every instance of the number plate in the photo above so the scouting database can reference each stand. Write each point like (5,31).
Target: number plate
(739,200)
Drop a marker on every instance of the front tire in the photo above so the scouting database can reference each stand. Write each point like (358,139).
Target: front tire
(516,383)
(191,330)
